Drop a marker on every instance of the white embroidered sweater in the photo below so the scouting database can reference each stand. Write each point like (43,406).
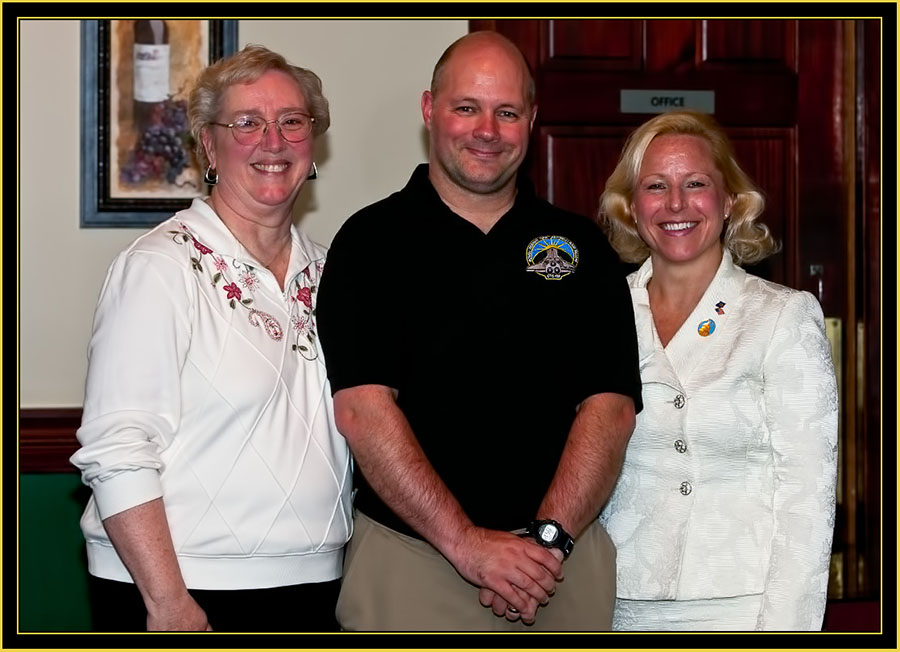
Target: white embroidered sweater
(205,387)
(728,484)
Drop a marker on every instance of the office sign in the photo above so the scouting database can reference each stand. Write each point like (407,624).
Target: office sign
(660,101)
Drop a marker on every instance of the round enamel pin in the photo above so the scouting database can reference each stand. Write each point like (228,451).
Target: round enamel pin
(706,328)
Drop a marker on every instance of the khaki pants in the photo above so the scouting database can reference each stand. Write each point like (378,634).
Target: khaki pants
(393,582)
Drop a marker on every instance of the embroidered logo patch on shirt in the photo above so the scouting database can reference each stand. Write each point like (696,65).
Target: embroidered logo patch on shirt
(552,257)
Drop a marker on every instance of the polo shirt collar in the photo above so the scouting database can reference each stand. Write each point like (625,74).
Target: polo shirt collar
(420,186)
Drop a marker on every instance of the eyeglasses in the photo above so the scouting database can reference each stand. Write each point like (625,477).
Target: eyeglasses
(250,129)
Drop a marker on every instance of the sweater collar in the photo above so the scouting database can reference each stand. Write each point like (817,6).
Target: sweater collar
(211,231)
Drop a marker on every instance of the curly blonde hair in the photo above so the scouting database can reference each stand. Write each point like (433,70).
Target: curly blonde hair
(245,67)
(748,241)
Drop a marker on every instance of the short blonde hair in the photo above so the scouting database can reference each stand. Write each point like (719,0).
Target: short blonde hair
(748,241)
(246,67)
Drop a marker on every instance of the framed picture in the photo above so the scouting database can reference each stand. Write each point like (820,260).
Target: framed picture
(138,164)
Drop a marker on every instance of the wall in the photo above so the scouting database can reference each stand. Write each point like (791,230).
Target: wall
(376,137)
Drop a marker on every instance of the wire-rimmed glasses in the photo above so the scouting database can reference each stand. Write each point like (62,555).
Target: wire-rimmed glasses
(250,129)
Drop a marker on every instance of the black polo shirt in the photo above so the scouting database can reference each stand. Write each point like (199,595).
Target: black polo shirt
(491,340)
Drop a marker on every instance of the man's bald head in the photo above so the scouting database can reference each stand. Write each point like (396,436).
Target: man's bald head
(484,42)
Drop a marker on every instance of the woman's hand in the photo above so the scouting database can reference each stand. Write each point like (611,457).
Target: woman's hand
(181,614)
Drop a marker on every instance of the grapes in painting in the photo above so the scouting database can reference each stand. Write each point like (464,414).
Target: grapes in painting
(163,147)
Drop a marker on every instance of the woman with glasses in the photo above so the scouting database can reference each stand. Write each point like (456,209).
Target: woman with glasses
(220,483)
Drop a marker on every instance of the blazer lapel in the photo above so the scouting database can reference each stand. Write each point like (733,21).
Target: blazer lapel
(654,364)
(707,327)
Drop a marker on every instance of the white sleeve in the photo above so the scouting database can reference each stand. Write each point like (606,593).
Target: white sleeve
(801,403)
(132,401)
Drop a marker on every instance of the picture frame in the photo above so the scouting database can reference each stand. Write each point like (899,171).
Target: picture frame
(127,180)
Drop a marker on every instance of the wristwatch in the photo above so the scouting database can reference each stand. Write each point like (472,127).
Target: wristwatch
(550,534)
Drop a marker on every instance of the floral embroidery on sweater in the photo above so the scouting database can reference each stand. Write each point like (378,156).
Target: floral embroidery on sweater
(233,293)
(304,293)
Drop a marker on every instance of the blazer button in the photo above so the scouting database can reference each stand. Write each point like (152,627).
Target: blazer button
(679,401)
(686,488)
(680,446)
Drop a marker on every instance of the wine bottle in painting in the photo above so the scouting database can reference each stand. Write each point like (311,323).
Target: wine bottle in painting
(151,70)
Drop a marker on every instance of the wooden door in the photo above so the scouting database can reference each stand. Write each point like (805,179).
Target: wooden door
(786,93)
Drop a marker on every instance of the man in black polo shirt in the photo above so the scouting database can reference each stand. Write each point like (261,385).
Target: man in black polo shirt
(481,349)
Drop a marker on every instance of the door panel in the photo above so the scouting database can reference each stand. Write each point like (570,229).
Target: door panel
(746,44)
(767,155)
(578,160)
(594,44)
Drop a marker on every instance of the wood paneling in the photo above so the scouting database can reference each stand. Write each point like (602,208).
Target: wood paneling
(767,156)
(751,99)
(671,46)
(579,159)
(822,217)
(735,44)
(47,439)
(594,44)
(868,94)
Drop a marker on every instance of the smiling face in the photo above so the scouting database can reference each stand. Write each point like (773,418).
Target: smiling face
(479,119)
(257,180)
(680,202)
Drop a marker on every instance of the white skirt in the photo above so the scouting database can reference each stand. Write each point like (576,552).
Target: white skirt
(714,615)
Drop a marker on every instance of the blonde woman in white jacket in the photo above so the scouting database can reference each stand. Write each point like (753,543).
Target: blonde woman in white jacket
(724,510)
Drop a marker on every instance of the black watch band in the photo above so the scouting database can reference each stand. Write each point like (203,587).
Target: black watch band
(550,534)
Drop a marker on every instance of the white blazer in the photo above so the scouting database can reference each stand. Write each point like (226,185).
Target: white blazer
(728,484)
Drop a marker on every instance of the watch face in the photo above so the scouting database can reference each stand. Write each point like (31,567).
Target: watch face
(548,532)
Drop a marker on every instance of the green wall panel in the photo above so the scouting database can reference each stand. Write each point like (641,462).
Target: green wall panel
(53,590)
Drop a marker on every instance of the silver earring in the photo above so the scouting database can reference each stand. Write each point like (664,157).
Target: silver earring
(314,173)
(211,177)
